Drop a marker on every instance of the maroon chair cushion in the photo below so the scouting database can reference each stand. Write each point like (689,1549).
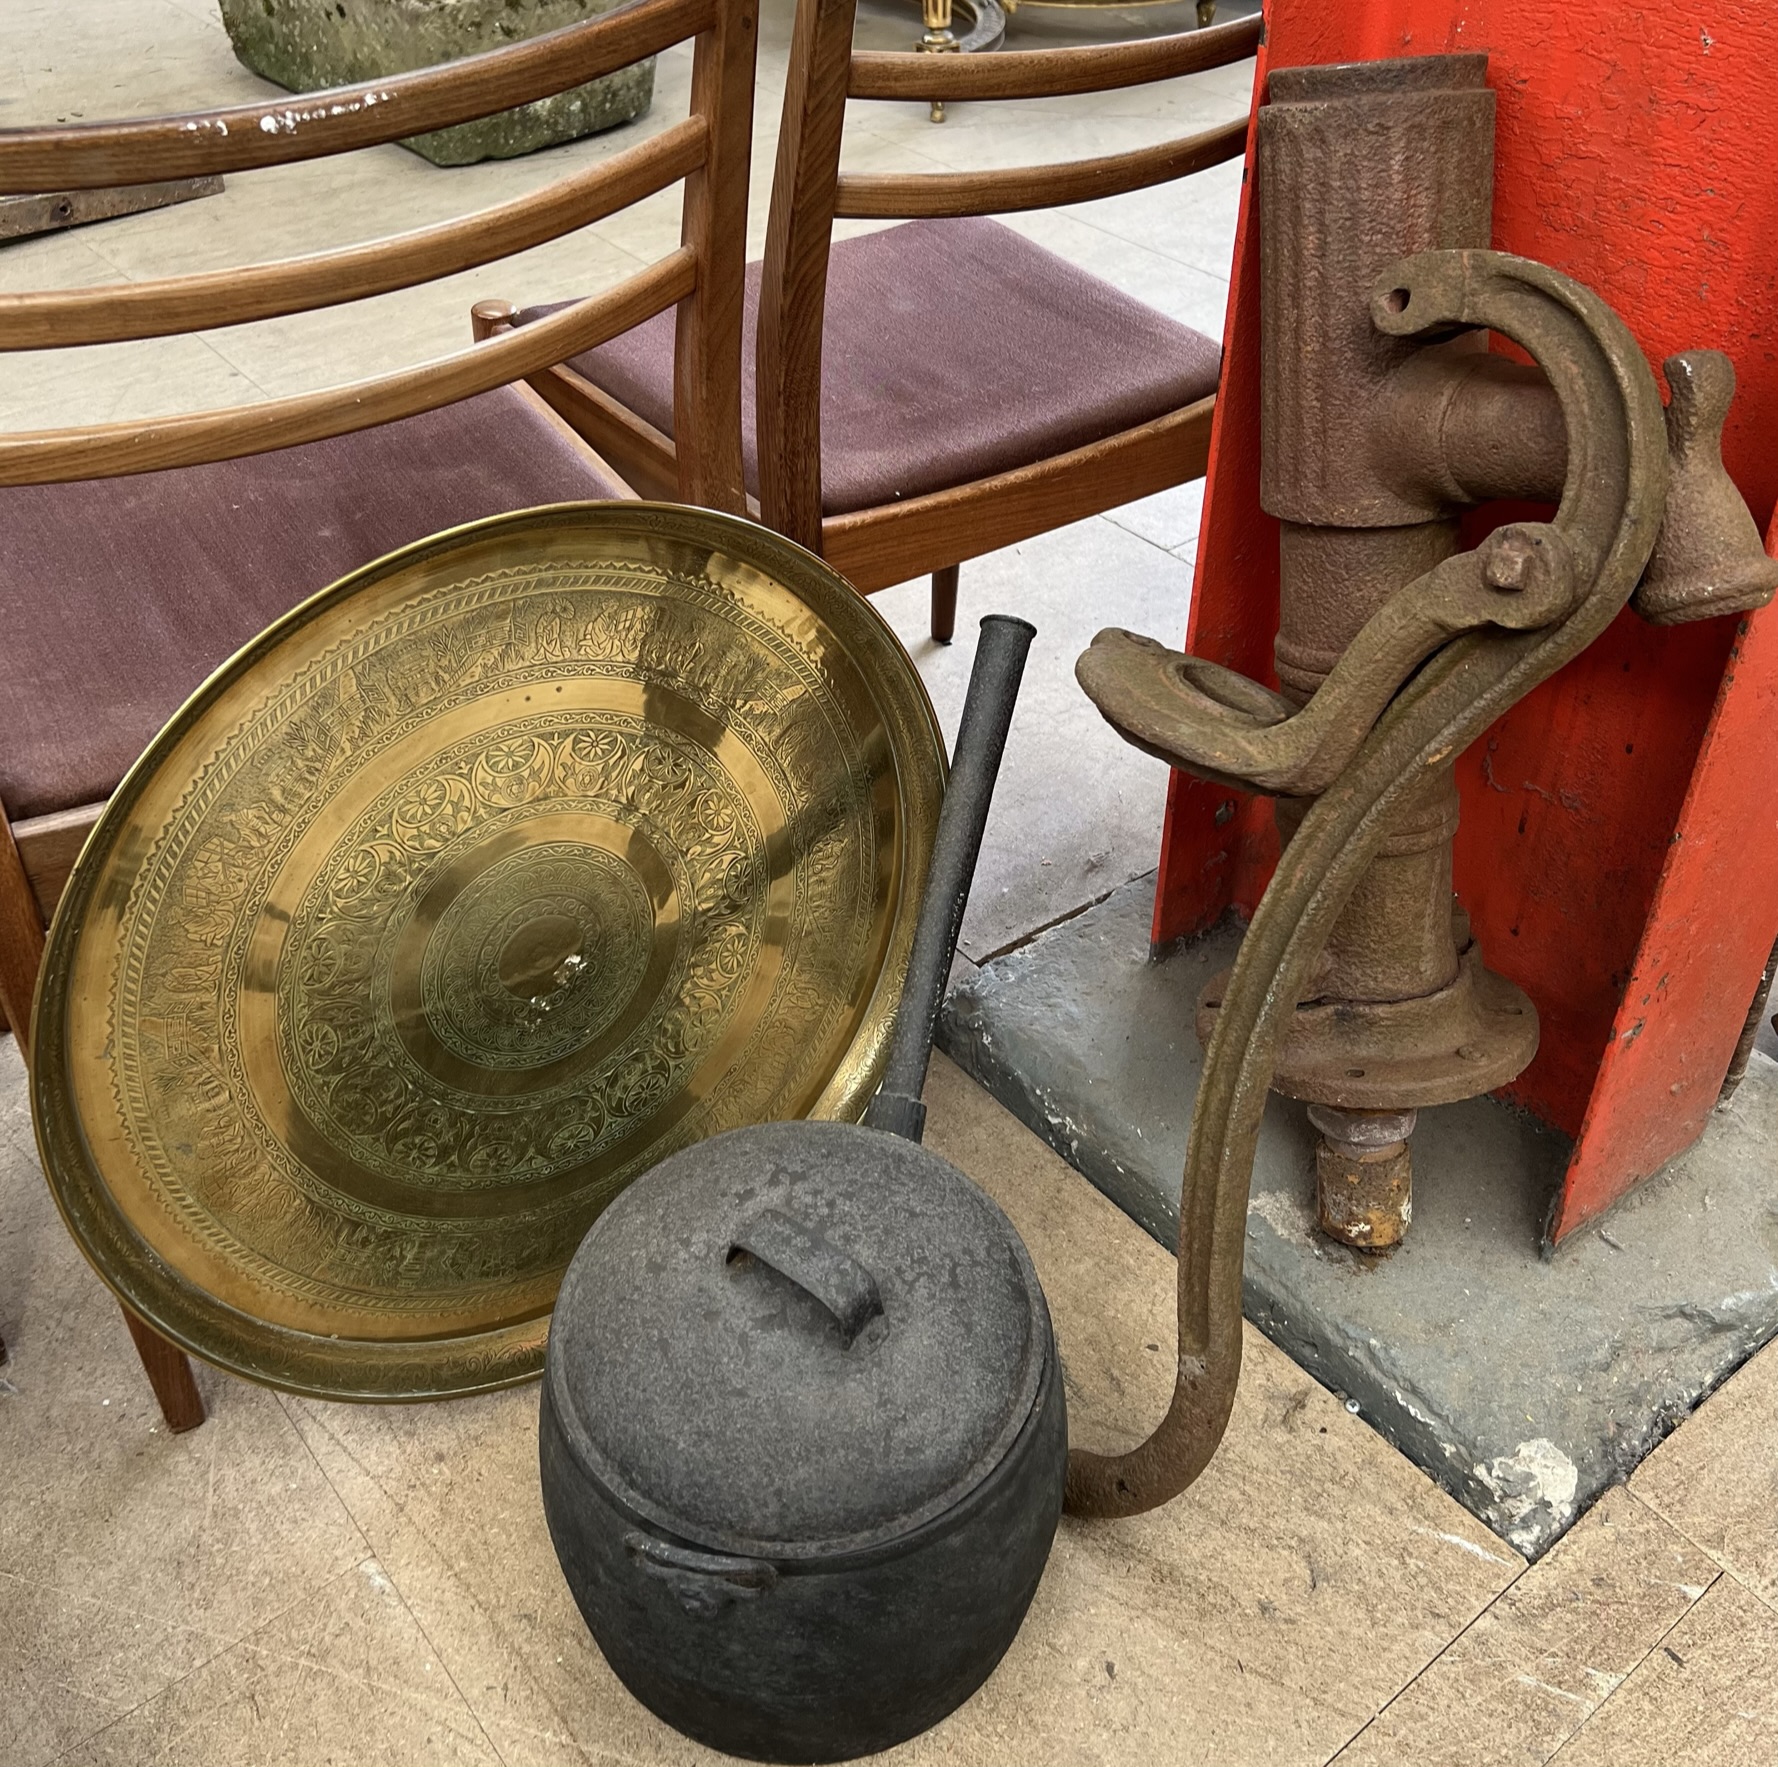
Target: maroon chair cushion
(118,596)
(950,350)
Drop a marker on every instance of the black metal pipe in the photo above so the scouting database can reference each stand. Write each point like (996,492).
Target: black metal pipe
(981,740)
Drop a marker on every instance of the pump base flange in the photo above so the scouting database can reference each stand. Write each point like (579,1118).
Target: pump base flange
(1470,1038)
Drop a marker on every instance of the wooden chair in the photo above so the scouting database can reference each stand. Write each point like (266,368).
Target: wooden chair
(886,437)
(138,556)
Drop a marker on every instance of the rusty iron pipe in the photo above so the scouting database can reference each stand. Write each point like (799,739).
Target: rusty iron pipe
(1461,429)
(1364,1175)
(1453,430)
(1365,443)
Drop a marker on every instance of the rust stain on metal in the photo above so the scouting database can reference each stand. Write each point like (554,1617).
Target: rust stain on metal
(1364,1176)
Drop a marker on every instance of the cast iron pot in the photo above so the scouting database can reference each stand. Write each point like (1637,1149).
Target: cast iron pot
(803,1437)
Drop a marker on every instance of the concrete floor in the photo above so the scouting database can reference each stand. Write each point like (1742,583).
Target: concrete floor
(304,1583)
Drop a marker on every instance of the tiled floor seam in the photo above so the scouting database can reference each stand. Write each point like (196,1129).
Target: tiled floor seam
(97,246)
(235,367)
(1574,1735)
(236,1643)
(370,1550)
(339,1495)
(372,1556)
(1725,1566)
(374,1562)
(1111,515)
(1654,1645)
(438,1656)
(1419,1674)
(1753,1589)
(1148,245)
(117,1718)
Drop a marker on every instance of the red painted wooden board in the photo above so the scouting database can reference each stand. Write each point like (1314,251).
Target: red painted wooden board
(1619,847)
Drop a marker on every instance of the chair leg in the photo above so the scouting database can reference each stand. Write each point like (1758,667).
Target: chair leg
(21,939)
(944,603)
(169,1373)
(21,952)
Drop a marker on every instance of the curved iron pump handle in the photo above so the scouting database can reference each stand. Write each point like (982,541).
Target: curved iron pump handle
(1437,665)
(1707,561)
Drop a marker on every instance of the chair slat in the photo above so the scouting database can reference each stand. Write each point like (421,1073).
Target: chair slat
(117,449)
(922,195)
(110,313)
(313,124)
(1051,73)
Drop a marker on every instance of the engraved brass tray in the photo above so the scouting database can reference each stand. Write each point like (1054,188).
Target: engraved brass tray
(475,886)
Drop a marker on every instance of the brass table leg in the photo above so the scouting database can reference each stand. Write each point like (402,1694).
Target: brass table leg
(940,39)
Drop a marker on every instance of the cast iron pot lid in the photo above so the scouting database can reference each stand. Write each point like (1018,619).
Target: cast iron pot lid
(714,1398)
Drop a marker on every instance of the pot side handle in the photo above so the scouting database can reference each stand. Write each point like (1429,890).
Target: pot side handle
(818,1267)
(703,1582)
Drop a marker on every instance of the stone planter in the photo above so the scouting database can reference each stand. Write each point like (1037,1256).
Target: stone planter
(307,45)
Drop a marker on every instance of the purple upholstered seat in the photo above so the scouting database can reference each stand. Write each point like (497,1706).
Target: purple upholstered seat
(951,350)
(118,596)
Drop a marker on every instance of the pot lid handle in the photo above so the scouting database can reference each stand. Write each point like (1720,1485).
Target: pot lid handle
(796,1251)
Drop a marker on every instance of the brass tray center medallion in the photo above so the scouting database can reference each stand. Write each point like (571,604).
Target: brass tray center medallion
(552,942)
(472,889)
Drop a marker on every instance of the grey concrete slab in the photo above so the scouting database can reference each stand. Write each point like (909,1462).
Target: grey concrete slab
(1524,1385)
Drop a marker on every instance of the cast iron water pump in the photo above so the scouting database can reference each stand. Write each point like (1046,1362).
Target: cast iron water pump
(1358,987)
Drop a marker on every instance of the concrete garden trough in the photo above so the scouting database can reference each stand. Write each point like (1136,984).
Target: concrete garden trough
(309,45)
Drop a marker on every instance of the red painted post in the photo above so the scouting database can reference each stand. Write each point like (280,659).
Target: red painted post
(1619,847)
(1706,938)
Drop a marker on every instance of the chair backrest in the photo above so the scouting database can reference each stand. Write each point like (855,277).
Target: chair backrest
(809,193)
(709,151)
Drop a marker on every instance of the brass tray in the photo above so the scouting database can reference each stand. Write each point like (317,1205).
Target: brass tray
(472,888)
